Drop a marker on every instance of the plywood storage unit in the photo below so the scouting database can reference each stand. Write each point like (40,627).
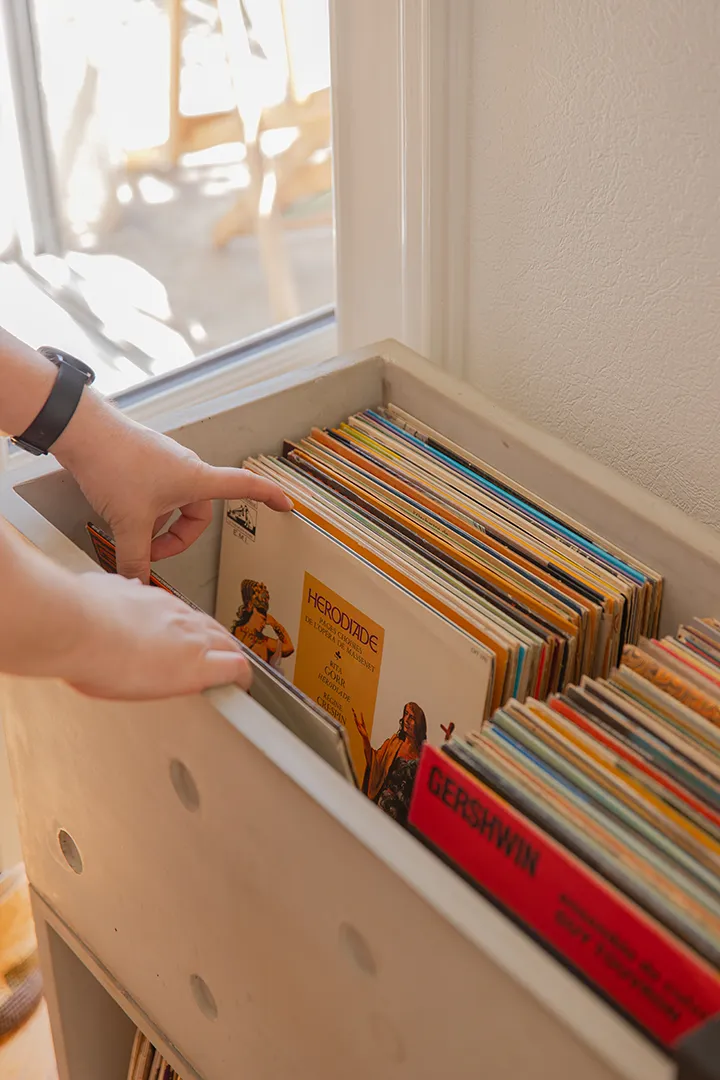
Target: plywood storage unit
(252,913)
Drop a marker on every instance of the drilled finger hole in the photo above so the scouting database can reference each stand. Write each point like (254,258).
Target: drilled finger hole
(70,851)
(203,997)
(185,786)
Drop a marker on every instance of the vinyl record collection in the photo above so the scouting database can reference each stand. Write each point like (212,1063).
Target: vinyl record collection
(489,672)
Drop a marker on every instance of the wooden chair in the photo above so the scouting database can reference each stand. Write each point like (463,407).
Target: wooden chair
(277,182)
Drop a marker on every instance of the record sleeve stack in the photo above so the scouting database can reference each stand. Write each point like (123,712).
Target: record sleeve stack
(594,820)
(416,594)
(147,1063)
(415,590)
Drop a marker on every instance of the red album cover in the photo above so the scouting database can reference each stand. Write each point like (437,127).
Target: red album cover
(105,552)
(635,962)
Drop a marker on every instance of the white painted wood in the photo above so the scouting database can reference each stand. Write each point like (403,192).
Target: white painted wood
(367,169)
(258,888)
(416,106)
(449,198)
(16,203)
(401,166)
(284,893)
(307,349)
(92,1017)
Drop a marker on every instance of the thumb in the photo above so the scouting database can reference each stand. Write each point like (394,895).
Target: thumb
(132,545)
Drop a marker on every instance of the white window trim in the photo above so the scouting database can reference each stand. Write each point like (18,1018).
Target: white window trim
(401,80)
(307,349)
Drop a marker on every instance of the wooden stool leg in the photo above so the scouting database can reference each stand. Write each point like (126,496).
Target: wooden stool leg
(271,243)
(263,182)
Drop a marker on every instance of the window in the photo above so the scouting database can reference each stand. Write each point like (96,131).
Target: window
(171,190)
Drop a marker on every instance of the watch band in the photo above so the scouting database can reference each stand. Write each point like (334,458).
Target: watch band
(72,378)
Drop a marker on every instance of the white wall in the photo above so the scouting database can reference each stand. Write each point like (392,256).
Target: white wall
(595,230)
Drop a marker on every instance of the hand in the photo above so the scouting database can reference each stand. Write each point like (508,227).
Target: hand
(136,479)
(135,642)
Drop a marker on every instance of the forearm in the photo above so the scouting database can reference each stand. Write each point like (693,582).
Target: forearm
(26,379)
(41,616)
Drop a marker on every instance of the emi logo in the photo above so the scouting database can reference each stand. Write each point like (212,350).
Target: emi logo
(244,517)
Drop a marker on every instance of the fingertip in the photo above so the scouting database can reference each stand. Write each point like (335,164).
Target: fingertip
(277,500)
(229,483)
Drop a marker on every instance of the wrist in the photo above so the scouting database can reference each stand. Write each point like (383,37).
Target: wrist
(93,422)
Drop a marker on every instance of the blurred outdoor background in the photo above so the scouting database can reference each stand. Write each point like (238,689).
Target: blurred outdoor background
(166,187)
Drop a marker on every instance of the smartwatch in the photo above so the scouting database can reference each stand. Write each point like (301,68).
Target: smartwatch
(57,412)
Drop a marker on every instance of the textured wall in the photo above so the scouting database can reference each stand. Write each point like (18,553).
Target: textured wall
(595,230)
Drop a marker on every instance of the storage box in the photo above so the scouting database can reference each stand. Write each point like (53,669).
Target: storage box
(199,872)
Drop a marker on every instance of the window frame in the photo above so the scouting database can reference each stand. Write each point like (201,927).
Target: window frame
(401,160)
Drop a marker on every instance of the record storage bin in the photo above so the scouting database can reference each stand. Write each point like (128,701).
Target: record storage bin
(199,873)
